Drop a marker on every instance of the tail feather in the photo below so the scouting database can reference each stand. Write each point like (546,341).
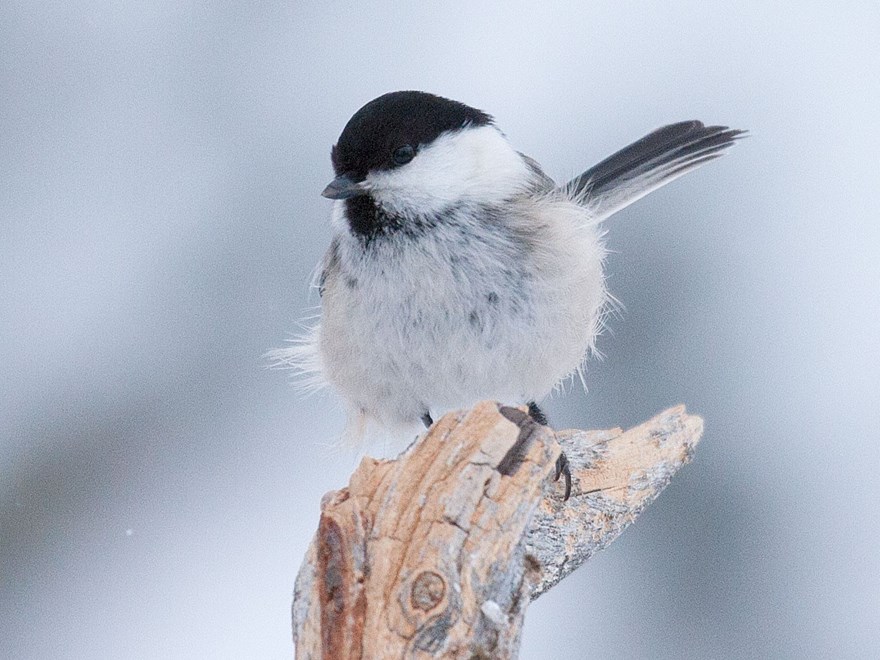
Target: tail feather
(649,163)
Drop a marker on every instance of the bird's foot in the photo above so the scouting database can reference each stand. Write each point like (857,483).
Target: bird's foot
(562,466)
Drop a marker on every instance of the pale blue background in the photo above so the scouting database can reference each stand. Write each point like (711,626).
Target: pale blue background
(160,165)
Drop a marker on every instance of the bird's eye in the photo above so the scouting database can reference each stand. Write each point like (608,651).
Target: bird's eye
(402,155)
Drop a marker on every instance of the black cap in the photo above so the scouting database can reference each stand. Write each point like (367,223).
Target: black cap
(394,120)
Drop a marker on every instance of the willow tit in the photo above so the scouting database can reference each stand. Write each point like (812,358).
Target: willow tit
(458,270)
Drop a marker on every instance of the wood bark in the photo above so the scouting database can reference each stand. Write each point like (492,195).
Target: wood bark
(438,552)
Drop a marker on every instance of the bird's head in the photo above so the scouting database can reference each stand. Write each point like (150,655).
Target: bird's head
(416,154)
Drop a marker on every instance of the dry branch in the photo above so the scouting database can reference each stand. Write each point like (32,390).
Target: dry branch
(438,552)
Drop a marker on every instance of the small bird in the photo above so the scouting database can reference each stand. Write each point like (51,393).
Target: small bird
(458,270)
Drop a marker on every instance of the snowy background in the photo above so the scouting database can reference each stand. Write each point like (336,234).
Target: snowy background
(160,170)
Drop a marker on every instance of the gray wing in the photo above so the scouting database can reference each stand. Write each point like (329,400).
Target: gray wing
(649,163)
(543,183)
(328,266)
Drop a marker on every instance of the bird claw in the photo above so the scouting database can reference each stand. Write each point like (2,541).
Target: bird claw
(563,468)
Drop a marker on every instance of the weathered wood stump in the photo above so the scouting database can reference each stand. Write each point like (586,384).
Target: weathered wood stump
(438,552)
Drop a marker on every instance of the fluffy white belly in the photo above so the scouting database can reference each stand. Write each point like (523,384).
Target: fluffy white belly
(499,310)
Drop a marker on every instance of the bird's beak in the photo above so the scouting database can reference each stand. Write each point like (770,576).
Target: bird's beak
(343,187)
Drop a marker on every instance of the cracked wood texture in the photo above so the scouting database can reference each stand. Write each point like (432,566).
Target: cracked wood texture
(438,552)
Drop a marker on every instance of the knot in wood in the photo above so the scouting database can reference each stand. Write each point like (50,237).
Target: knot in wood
(428,589)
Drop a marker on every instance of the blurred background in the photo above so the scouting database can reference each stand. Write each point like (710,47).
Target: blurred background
(160,170)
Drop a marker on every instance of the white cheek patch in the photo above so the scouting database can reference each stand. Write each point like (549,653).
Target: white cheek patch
(472,165)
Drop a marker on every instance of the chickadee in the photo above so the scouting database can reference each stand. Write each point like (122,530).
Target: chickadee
(458,270)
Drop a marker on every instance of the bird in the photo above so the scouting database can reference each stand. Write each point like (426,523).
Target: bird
(458,270)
